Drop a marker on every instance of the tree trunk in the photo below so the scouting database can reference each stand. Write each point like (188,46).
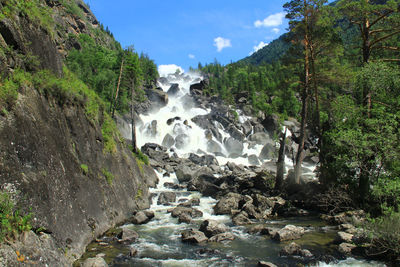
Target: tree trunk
(116,93)
(281,162)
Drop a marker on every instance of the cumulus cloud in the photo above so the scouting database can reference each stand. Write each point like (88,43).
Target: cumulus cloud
(276,30)
(271,21)
(191,56)
(259,46)
(164,70)
(222,43)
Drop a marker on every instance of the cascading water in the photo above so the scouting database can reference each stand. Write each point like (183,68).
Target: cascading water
(160,239)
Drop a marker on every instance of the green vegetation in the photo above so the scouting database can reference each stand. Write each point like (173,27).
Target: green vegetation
(12,221)
(109,176)
(141,156)
(85,169)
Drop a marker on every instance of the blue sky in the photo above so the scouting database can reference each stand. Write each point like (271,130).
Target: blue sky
(185,32)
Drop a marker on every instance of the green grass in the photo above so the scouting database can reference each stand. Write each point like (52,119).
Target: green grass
(109,130)
(12,221)
(85,169)
(10,86)
(109,176)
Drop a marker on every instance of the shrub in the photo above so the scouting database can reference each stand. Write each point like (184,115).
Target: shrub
(109,176)
(12,222)
(85,169)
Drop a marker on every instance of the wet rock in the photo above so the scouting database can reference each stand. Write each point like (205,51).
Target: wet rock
(190,203)
(222,237)
(265,264)
(133,251)
(192,212)
(261,138)
(242,218)
(166,198)
(95,262)
(251,210)
(247,127)
(212,227)
(228,203)
(352,217)
(289,232)
(128,235)
(235,132)
(171,120)
(267,152)
(158,98)
(213,147)
(142,217)
(233,146)
(343,237)
(205,160)
(204,183)
(168,141)
(253,160)
(294,249)
(198,87)
(208,134)
(193,236)
(184,173)
(346,248)
(181,141)
(271,124)
(173,90)
(185,218)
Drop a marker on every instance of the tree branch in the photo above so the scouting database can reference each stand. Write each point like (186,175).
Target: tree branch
(384,37)
(380,18)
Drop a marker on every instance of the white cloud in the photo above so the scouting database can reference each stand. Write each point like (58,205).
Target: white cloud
(191,56)
(258,47)
(222,43)
(164,70)
(271,21)
(276,30)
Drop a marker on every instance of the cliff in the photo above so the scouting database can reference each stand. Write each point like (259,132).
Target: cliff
(60,154)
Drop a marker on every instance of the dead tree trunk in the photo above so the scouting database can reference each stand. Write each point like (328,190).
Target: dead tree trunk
(280,165)
(116,93)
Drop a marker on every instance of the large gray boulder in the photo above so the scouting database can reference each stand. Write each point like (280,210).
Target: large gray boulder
(95,262)
(192,212)
(294,249)
(227,236)
(128,235)
(181,141)
(289,232)
(212,227)
(193,236)
(267,152)
(228,204)
(166,198)
(213,147)
(158,98)
(261,138)
(142,217)
(234,146)
(168,141)
(173,90)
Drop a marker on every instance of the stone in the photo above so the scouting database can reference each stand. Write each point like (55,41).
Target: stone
(192,212)
(222,237)
(253,160)
(247,127)
(235,132)
(166,198)
(133,251)
(128,235)
(95,262)
(205,160)
(181,141)
(140,218)
(193,236)
(158,98)
(228,203)
(212,227)
(343,237)
(233,146)
(184,173)
(261,138)
(289,232)
(184,218)
(168,141)
(267,152)
(265,264)
(213,147)
(173,90)
(242,218)
(271,124)
(294,249)
(346,248)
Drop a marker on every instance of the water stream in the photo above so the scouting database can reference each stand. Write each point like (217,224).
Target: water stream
(160,239)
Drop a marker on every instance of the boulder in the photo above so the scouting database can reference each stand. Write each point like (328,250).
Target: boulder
(267,152)
(233,146)
(247,127)
(289,232)
(168,141)
(228,203)
(265,264)
(181,141)
(158,98)
(193,236)
(346,248)
(213,147)
(184,173)
(185,218)
(190,203)
(205,183)
(128,235)
(235,132)
(252,211)
(253,160)
(261,138)
(206,160)
(242,218)
(133,251)
(173,90)
(95,262)
(271,124)
(171,120)
(222,237)
(294,249)
(166,198)
(343,237)
(192,212)
(212,227)
(141,217)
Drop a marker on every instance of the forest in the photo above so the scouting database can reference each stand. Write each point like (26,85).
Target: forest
(338,73)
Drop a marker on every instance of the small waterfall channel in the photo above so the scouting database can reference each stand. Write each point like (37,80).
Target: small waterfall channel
(160,242)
